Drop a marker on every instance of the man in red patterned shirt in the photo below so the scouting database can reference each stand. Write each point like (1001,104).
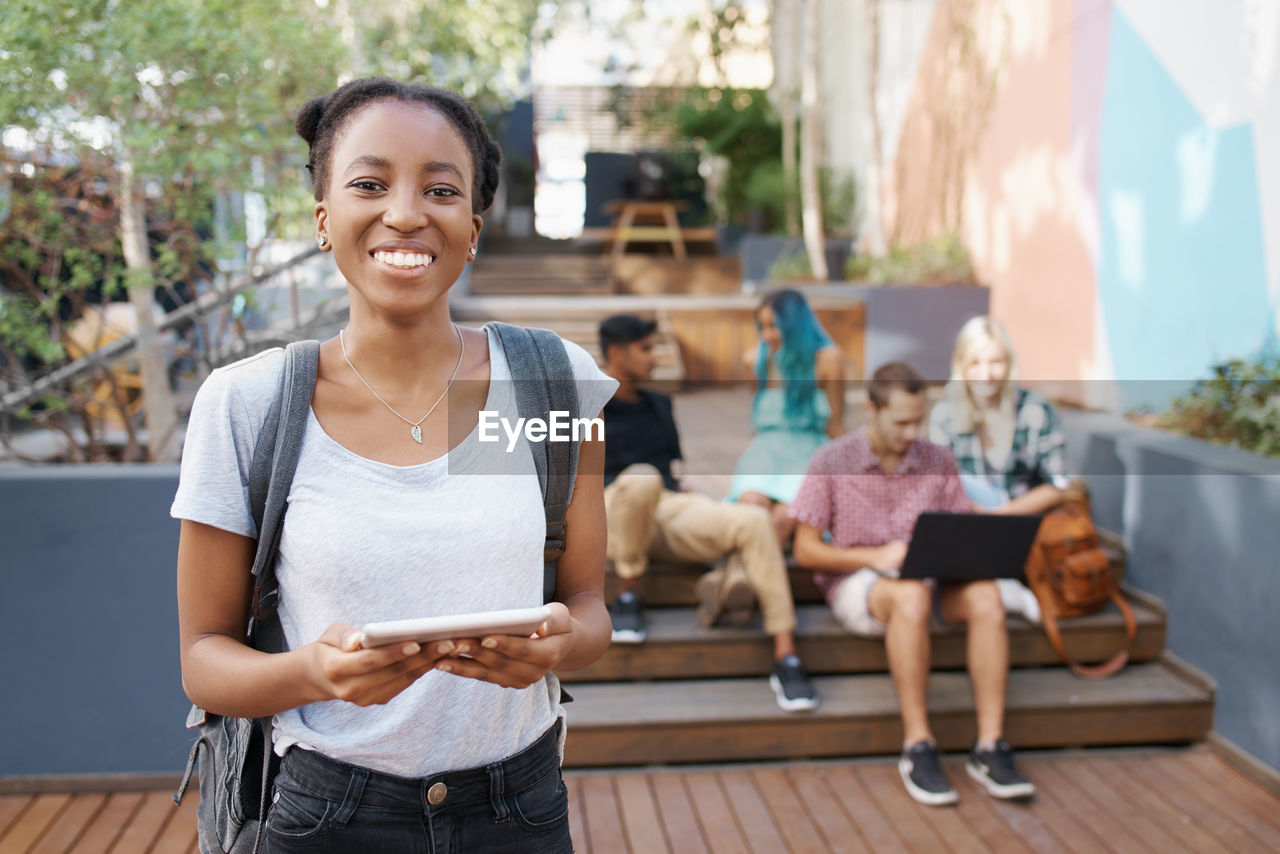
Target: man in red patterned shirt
(865,491)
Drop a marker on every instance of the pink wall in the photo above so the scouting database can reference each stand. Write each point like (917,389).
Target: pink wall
(1024,208)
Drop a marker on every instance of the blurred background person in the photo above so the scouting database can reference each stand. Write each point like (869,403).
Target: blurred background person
(799,404)
(1007,441)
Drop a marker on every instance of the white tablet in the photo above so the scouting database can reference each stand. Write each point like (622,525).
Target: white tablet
(516,621)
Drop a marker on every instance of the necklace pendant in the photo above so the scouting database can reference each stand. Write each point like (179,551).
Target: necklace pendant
(416,432)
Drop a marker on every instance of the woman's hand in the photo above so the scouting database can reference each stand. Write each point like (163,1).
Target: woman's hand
(342,669)
(514,662)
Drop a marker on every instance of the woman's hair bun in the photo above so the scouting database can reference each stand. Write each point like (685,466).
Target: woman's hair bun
(307,124)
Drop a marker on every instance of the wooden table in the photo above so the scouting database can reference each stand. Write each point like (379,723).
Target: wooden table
(634,222)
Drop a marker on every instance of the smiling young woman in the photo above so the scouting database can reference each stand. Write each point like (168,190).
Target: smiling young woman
(394,748)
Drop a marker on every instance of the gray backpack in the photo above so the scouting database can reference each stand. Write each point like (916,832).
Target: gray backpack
(237,762)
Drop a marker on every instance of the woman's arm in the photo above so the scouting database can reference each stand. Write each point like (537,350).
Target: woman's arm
(223,675)
(1050,463)
(829,372)
(1039,499)
(578,630)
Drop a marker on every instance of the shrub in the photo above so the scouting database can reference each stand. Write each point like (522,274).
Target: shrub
(792,267)
(1239,405)
(941,260)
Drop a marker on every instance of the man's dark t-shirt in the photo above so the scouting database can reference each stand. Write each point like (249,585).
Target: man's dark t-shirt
(643,431)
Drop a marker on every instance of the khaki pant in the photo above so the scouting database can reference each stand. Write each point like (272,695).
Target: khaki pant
(648,521)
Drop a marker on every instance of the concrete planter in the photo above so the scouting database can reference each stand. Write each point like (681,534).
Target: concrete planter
(1200,524)
(910,323)
(759,252)
(919,323)
(89,622)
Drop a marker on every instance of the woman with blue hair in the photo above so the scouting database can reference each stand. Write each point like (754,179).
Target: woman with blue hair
(799,404)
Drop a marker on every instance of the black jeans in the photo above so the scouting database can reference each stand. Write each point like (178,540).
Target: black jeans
(519,805)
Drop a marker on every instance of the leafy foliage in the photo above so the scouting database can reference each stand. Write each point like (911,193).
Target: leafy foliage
(58,248)
(198,95)
(741,126)
(792,267)
(478,48)
(941,260)
(191,94)
(60,259)
(1239,404)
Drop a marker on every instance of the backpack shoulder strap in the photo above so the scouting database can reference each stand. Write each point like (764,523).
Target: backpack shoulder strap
(543,380)
(275,458)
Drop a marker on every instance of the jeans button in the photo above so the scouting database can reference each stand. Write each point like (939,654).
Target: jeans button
(436,794)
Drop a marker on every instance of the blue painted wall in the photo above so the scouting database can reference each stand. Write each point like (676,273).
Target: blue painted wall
(1181,274)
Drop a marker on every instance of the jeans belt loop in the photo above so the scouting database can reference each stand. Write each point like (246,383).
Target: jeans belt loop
(351,800)
(497,797)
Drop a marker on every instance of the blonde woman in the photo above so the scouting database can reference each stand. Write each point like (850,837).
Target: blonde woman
(1007,441)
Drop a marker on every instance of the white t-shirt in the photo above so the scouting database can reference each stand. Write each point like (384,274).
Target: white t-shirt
(365,541)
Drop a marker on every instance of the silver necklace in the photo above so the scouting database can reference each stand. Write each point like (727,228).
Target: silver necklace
(415,427)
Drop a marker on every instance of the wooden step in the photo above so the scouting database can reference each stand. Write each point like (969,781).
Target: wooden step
(679,647)
(718,720)
(530,288)
(563,267)
(540,275)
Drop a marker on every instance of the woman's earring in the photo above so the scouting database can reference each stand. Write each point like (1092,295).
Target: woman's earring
(322,240)
(473,253)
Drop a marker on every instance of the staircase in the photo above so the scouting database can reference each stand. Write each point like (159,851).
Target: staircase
(525,275)
(695,695)
(691,694)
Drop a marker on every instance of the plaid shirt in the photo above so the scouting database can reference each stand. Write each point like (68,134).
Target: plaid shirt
(1038,454)
(847,494)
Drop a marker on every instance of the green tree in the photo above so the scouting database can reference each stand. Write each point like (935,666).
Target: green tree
(180,102)
(478,48)
(184,97)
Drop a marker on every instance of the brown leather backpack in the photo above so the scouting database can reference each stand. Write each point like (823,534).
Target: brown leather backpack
(1071,576)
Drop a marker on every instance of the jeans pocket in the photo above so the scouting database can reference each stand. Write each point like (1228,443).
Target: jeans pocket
(544,803)
(297,814)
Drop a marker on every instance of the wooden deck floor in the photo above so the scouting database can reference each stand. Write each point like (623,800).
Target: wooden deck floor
(1186,801)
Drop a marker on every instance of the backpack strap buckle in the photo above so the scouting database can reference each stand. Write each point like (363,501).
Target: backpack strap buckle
(554,546)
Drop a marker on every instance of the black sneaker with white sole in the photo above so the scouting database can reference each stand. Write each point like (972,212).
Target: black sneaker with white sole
(627,615)
(922,774)
(792,686)
(995,771)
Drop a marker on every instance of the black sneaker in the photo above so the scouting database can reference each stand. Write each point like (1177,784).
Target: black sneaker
(922,775)
(792,686)
(627,615)
(995,770)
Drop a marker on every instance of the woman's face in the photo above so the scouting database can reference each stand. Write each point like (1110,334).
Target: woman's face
(769,333)
(985,371)
(397,210)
